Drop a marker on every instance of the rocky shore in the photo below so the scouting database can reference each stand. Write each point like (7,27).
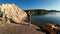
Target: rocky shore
(22,28)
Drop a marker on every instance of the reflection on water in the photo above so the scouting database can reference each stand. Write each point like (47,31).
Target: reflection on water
(52,17)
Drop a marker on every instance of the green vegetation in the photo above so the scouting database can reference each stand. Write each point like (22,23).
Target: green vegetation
(40,11)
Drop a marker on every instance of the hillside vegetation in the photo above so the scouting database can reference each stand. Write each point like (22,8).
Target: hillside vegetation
(40,11)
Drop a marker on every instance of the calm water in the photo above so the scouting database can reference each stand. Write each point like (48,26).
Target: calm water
(51,17)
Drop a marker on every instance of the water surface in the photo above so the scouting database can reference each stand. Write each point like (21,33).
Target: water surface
(51,17)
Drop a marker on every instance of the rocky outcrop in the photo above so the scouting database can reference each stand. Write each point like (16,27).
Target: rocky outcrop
(51,28)
(11,11)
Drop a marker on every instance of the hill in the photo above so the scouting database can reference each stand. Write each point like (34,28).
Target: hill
(40,11)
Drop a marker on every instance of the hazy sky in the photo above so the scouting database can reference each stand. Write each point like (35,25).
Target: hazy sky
(35,4)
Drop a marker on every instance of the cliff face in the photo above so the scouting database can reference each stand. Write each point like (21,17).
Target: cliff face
(13,12)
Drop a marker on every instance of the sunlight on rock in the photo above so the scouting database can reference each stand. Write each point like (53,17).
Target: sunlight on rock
(13,12)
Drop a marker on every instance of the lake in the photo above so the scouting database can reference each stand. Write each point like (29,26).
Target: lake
(51,17)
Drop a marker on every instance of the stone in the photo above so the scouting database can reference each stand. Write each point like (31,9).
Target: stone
(52,29)
(11,11)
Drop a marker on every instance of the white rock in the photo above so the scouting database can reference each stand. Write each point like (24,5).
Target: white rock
(13,12)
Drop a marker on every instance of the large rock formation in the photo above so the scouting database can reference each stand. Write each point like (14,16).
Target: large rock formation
(11,11)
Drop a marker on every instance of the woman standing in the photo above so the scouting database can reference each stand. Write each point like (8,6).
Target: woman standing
(29,17)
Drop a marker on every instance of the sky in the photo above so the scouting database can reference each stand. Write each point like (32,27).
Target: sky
(34,4)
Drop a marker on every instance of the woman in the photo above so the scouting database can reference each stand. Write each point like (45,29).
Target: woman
(29,17)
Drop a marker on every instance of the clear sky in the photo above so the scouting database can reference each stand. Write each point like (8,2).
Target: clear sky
(35,4)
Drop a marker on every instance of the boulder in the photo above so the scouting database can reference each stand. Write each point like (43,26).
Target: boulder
(51,28)
(11,11)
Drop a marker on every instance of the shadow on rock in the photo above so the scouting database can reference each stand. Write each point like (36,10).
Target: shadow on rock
(42,30)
